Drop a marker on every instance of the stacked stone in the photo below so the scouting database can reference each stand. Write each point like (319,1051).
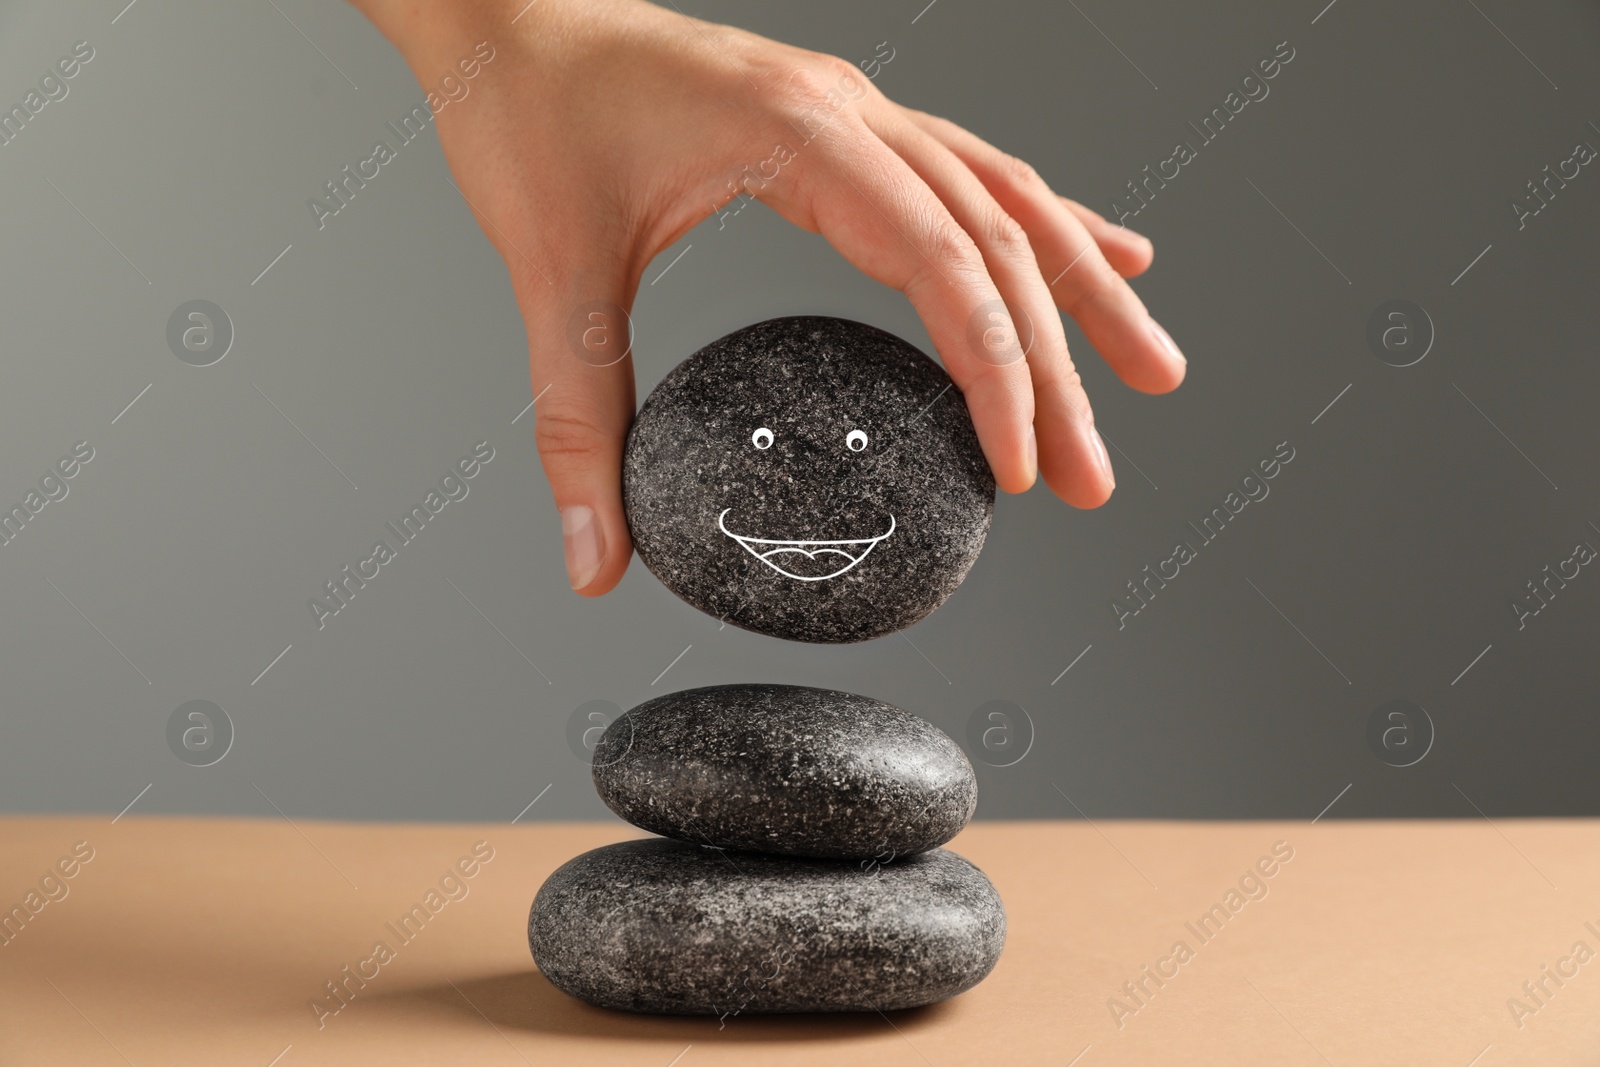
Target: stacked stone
(814,480)
(808,478)
(800,867)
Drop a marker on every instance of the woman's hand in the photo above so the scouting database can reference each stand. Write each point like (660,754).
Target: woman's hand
(603,130)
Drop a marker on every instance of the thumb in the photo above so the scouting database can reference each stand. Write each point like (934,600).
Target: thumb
(581,367)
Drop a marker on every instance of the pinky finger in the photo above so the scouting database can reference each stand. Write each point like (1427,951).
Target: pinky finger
(1128,251)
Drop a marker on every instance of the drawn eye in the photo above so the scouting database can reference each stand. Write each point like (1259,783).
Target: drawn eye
(856,441)
(762,438)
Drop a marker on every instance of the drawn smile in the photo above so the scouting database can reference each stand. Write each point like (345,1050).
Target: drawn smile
(810,556)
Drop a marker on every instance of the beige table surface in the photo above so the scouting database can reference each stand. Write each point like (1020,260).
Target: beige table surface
(189,941)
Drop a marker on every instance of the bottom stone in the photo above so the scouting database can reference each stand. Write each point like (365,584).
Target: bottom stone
(672,928)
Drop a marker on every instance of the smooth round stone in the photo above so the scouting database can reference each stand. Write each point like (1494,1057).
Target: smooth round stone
(786,769)
(808,478)
(671,928)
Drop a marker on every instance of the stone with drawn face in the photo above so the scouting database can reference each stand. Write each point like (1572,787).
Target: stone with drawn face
(809,478)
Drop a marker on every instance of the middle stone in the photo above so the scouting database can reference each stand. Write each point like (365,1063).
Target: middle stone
(786,769)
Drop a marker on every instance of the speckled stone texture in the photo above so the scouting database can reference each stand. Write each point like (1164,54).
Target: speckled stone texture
(809,478)
(786,769)
(671,928)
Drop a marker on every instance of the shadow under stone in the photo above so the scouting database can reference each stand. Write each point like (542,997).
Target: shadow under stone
(525,1000)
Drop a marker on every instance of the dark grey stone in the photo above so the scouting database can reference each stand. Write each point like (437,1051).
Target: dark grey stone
(808,478)
(786,769)
(671,928)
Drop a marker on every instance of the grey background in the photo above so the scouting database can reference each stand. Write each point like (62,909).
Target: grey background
(1395,541)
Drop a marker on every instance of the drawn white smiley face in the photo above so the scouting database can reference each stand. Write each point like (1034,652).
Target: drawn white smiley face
(774,552)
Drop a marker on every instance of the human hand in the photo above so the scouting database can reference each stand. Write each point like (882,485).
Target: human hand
(604,130)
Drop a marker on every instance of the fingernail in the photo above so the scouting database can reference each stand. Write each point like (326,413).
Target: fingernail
(1165,340)
(1033,456)
(584,544)
(1098,447)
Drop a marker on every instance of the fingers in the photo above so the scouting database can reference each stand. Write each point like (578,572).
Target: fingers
(581,367)
(1071,456)
(1129,253)
(1085,284)
(873,208)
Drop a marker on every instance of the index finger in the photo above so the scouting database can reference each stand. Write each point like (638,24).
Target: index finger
(874,209)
